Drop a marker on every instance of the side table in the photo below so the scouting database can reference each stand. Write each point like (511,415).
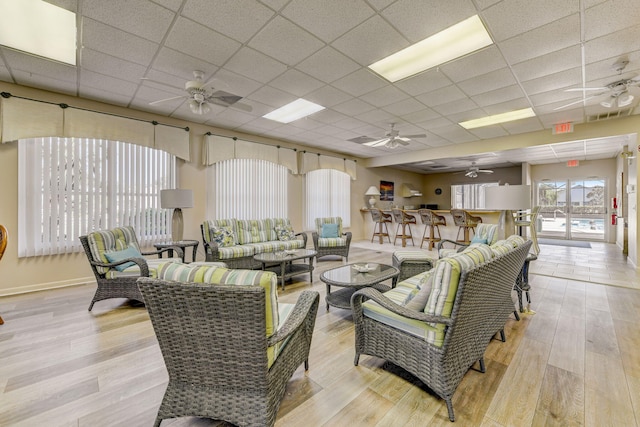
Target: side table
(183,244)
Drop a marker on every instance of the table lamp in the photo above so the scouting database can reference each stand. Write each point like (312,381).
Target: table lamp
(507,198)
(176,199)
(372,191)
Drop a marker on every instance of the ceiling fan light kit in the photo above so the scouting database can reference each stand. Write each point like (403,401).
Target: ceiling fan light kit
(392,139)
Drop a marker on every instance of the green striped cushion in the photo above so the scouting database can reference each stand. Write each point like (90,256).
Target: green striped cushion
(481,253)
(185,272)
(134,270)
(487,231)
(272,223)
(116,239)
(253,231)
(291,244)
(237,251)
(332,242)
(328,220)
(208,227)
(515,240)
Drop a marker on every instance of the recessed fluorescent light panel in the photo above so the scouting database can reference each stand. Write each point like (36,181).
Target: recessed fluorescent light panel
(293,111)
(39,28)
(456,41)
(498,118)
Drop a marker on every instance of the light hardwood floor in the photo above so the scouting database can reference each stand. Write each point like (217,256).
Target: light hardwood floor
(575,362)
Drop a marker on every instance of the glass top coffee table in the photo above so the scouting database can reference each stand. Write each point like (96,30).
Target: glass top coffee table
(287,268)
(352,277)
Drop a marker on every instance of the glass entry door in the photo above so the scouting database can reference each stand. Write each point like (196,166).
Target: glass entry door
(572,209)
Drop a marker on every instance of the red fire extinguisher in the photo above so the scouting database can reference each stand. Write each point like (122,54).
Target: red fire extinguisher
(614,219)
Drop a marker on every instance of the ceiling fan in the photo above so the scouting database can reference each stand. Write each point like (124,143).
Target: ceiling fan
(473,171)
(392,139)
(200,95)
(618,93)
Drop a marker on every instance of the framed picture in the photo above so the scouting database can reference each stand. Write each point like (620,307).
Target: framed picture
(386,191)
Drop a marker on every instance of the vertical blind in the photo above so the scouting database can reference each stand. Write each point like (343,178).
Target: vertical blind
(249,189)
(328,194)
(71,186)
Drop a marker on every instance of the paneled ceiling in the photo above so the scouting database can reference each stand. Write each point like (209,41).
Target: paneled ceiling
(272,52)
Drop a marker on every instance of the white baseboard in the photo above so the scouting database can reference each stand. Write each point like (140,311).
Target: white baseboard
(46,286)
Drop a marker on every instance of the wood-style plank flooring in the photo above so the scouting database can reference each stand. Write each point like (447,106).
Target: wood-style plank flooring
(575,362)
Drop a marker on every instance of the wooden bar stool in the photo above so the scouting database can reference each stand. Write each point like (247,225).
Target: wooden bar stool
(431,220)
(465,222)
(403,220)
(380,221)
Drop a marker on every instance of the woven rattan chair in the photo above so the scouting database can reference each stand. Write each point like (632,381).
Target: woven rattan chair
(431,221)
(380,221)
(214,345)
(480,309)
(403,227)
(465,223)
(112,283)
(331,245)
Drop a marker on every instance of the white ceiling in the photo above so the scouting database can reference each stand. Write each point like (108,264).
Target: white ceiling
(274,51)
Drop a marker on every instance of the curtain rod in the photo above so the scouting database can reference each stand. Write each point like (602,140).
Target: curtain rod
(7,95)
(235,138)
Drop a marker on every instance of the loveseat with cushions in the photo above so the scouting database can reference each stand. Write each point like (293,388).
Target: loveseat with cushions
(235,242)
(228,345)
(438,323)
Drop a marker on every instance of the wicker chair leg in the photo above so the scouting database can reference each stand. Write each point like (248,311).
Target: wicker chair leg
(503,338)
(91,305)
(356,360)
(483,368)
(306,364)
(515,313)
(452,417)
(157,422)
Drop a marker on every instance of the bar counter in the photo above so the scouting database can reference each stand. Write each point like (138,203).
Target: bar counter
(450,231)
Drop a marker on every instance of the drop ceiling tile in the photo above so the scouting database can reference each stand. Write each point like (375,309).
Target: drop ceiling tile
(114,42)
(405,106)
(419,19)
(171,61)
(271,96)
(522,126)
(561,80)
(484,4)
(604,68)
(142,18)
(146,94)
(234,83)
(201,42)
(419,116)
(489,132)
(19,61)
(238,19)
(498,96)
(329,130)
(384,96)
(615,44)
(245,60)
(435,123)
(488,82)
(328,116)
(376,117)
(296,83)
(371,41)
(503,107)
(441,96)
(543,40)
(89,79)
(104,95)
(453,107)
(112,66)
(230,118)
(275,4)
(328,19)
(454,133)
(477,63)
(351,124)
(163,109)
(424,82)
(328,65)
(609,17)
(511,18)
(4,74)
(361,82)
(353,107)
(30,79)
(554,96)
(306,123)
(327,96)
(285,41)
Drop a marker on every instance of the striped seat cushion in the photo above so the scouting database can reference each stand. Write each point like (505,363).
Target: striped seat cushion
(254,231)
(411,256)
(291,244)
(237,251)
(331,242)
(116,239)
(134,270)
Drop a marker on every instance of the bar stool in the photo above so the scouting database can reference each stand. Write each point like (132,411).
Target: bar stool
(403,220)
(431,220)
(529,220)
(380,219)
(465,222)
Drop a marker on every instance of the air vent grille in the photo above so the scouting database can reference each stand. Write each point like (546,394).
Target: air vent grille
(609,115)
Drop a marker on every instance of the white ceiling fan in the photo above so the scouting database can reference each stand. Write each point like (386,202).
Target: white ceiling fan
(618,92)
(200,94)
(392,138)
(473,171)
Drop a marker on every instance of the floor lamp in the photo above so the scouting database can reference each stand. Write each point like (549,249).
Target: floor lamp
(176,199)
(507,198)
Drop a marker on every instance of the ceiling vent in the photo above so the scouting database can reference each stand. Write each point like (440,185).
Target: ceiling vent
(361,139)
(609,115)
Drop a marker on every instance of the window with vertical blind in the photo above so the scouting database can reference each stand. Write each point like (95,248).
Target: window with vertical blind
(68,187)
(328,194)
(469,196)
(250,189)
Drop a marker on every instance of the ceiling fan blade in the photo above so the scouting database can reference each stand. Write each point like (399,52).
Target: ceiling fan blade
(420,135)
(242,106)
(484,171)
(168,99)
(402,141)
(377,143)
(580,89)
(578,101)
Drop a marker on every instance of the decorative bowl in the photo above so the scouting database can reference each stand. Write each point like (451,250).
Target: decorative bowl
(289,251)
(363,268)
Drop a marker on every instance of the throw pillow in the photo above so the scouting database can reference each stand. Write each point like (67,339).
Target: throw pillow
(329,230)
(115,256)
(284,232)
(477,239)
(223,236)
(419,301)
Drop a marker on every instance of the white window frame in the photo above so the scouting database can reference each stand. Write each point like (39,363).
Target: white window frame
(328,194)
(68,187)
(249,189)
(470,195)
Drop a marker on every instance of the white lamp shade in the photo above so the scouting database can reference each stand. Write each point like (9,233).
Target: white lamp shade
(372,191)
(508,197)
(176,198)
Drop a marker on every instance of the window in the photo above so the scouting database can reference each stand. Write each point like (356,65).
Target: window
(328,194)
(71,186)
(469,196)
(250,189)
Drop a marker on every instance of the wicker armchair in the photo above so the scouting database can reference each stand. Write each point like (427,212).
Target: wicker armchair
(113,283)
(214,345)
(479,310)
(338,245)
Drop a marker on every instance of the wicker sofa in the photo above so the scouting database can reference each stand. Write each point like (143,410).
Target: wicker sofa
(466,299)
(235,242)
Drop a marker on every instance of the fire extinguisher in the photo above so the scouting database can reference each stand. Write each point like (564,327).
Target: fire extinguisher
(614,219)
